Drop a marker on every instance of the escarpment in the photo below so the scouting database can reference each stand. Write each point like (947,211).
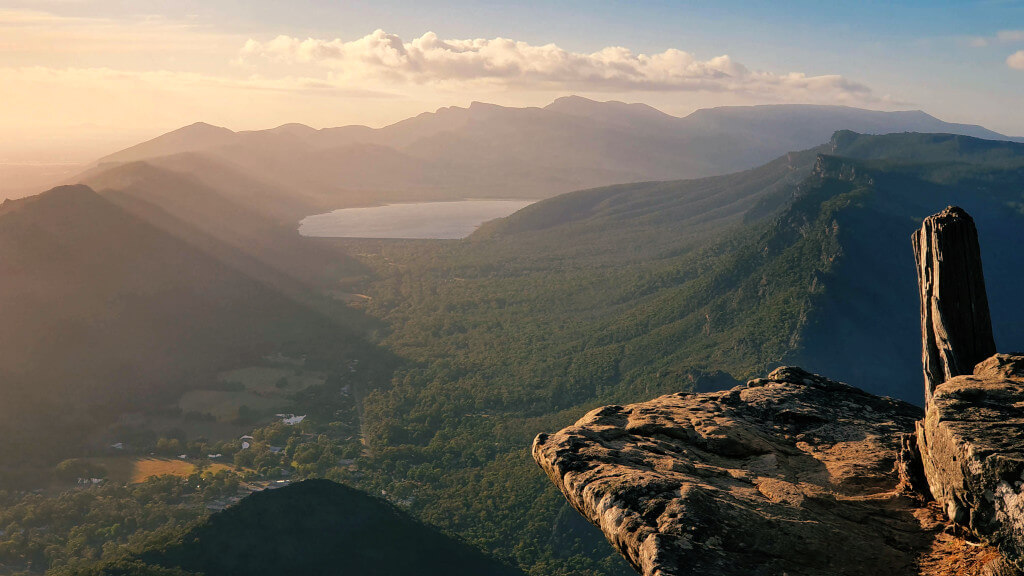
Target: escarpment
(797,474)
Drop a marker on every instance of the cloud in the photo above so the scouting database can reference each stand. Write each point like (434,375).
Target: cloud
(1001,37)
(1016,60)
(430,60)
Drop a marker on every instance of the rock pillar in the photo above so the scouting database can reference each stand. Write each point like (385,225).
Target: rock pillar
(956,328)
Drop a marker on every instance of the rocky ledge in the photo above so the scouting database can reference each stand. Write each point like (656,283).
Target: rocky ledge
(972,446)
(791,474)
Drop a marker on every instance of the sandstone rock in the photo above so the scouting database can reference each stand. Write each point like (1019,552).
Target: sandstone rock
(972,446)
(956,327)
(791,474)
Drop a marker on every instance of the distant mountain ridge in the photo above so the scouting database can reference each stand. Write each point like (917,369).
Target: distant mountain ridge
(486,150)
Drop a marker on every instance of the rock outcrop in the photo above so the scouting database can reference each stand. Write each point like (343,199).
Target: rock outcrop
(956,327)
(972,447)
(791,474)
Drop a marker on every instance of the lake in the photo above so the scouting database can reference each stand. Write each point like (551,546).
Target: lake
(435,220)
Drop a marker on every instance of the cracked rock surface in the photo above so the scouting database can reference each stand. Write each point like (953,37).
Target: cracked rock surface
(972,446)
(791,474)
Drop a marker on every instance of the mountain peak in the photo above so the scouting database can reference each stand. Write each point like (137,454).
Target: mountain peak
(571,99)
(70,195)
(294,128)
(574,105)
(196,136)
(202,127)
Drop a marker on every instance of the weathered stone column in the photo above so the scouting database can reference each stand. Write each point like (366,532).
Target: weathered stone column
(956,328)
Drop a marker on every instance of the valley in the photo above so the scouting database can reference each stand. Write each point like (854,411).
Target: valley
(209,351)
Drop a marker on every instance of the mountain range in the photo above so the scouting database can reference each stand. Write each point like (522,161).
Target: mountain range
(486,150)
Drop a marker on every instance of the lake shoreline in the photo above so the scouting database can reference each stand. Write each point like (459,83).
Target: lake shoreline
(441,220)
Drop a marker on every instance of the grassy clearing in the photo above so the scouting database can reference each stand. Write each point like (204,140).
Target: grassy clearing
(129,470)
(150,467)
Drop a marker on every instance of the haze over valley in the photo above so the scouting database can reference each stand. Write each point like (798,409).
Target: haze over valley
(232,349)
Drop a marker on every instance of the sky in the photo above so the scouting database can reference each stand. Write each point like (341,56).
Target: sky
(79,79)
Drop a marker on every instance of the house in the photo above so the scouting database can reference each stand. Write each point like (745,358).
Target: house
(292,419)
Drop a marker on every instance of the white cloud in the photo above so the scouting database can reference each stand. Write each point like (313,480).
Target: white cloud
(387,58)
(1016,60)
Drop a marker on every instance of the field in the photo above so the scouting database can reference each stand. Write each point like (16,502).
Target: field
(129,470)
(149,467)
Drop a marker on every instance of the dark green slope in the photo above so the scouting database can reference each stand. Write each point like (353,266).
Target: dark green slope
(865,325)
(101,312)
(916,148)
(213,205)
(605,221)
(827,282)
(315,527)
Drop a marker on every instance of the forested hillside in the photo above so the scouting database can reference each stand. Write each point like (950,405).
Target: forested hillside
(104,313)
(620,294)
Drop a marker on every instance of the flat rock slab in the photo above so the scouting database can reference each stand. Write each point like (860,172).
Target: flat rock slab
(972,446)
(791,474)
